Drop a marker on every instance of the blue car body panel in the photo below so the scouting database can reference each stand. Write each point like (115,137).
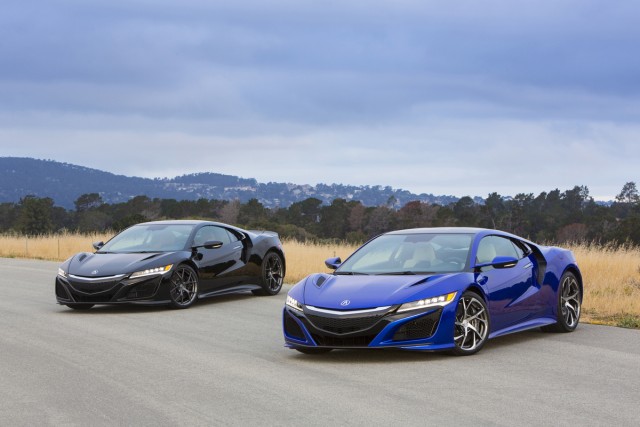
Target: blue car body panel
(521,297)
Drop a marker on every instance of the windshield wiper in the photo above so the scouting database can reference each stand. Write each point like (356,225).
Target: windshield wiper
(349,273)
(405,273)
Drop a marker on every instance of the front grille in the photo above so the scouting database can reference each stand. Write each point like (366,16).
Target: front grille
(292,328)
(93,287)
(423,327)
(94,298)
(344,325)
(329,341)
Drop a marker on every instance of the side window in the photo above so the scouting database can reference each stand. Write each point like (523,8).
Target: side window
(209,233)
(493,246)
(232,236)
(519,250)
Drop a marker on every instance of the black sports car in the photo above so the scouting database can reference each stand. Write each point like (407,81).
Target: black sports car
(173,263)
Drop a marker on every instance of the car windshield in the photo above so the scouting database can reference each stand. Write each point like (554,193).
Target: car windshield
(422,253)
(149,238)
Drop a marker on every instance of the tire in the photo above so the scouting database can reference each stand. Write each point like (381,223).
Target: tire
(183,287)
(311,350)
(569,305)
(80,306)
(272,275)
(471,327)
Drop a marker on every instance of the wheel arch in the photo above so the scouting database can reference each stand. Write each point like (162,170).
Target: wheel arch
(191,264)
(576,272)
(475,288)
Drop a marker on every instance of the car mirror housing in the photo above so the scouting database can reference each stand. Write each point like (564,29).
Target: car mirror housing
(98,245)
(333,263)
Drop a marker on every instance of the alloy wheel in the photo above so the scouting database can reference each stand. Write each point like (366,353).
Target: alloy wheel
(570,301)
(273,272)
(471,325)
(184,286)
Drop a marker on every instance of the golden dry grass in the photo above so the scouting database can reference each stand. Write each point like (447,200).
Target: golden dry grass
(56,247)
(306,258)
(611,282)
(611,274)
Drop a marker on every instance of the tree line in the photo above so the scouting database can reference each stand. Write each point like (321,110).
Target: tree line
(553,216)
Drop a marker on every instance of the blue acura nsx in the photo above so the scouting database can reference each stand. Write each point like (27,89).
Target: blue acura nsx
(434,289)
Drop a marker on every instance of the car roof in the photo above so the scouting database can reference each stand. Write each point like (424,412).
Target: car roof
(183,222)
(445,230)
(459,230)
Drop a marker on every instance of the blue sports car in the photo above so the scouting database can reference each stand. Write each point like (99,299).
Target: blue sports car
(434,289)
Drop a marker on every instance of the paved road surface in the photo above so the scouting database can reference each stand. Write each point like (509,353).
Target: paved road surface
(222,362)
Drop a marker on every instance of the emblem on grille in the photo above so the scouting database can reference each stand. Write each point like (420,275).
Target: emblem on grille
(345,303)
(94,272)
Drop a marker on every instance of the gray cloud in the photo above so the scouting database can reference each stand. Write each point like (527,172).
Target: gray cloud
(416,94)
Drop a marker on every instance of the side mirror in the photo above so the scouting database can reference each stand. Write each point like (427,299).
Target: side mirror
(98,245)
(500,262)
(212,244)
(333,263)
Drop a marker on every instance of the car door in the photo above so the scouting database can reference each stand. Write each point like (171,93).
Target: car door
(217,267)
(513,291)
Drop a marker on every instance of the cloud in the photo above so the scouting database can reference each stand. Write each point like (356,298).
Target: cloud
(424,95)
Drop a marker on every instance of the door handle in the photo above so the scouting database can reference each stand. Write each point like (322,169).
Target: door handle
(530,265)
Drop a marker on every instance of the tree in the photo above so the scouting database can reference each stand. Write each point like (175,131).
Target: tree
(35,215)
(629,194)
(229,212)
(87,202)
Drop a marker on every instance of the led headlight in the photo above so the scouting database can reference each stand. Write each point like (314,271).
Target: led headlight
(293,303)
(62,273)
(439,301)
(151,271)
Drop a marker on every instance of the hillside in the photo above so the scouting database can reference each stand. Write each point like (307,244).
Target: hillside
(64,183)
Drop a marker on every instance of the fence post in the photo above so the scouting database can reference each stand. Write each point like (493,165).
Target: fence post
(26,246)
(58,247)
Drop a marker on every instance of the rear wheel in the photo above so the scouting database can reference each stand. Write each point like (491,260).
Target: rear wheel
(183,287)
(471,328)
(569,303)
(80,306)
(272,275)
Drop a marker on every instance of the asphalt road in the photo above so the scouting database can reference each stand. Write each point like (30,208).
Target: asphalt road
(222,362)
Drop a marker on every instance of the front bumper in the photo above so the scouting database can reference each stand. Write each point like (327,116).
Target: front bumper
(112,290)
(428,329)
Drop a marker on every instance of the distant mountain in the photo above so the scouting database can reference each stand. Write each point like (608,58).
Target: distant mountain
(64,183)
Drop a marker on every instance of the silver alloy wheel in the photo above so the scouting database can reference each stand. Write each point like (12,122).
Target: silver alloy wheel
(472,324)
(184,286)
(570,301)
(273,270)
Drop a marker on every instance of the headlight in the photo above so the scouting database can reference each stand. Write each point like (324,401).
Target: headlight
(440,301)
(62,273)
(293,303)
(151,271)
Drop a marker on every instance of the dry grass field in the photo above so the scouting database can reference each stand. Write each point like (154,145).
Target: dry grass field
(611,274)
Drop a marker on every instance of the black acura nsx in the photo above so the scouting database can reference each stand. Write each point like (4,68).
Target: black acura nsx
(173,263)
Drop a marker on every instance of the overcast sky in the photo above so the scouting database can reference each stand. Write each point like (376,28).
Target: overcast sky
(465,97)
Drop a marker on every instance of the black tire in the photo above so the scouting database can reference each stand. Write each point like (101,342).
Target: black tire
(311,350)
(471,327)
(80,306)
(569,305)
(272,275)
(183,287)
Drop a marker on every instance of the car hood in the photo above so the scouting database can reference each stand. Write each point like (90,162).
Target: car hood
(329,291)
(111,264)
